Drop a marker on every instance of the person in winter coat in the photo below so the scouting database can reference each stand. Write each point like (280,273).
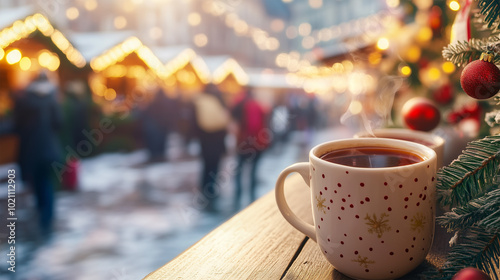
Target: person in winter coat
(212,120)
(37,118)
(253,137)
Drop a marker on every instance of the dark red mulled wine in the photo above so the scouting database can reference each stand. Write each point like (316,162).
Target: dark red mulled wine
(372,157)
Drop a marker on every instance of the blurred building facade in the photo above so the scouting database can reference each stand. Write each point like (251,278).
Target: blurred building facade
(253,32)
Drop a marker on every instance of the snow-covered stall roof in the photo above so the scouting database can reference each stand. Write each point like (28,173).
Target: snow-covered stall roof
(221,66)
(175,58)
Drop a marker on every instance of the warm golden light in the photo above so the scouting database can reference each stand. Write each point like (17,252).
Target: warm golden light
(413,54)
(2,53)
(90,5)
(392,3)
(374,58)
(383,43)
(434,73)
(25,64)
(425,34)
(194,19)
(72,13)
(44,59)
(116,71)
(120,22)
(448,67)
(13,56)
(406,70)
(355,107)
(200,40)
(348,66)
(110,94)
(54,63)
(454,5)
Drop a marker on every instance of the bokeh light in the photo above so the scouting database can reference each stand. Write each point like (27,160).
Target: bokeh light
(383,43)
(72,13)
(13,56)
(454,5)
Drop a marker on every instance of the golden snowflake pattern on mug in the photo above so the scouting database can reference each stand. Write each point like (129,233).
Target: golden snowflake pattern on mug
(320,204)
(378,225)
(363,261)
(418,222)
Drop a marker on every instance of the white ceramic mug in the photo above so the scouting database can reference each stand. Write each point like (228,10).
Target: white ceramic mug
(430,140)
(370,223)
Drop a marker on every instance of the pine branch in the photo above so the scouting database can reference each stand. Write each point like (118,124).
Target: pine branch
(483,212)
(462,52)
(491,10)
(472,174)
(478,248)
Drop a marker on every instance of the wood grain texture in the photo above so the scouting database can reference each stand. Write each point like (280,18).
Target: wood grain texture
(311,264)
(258,243)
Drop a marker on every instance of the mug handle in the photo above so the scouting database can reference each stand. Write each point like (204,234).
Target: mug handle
(303,169)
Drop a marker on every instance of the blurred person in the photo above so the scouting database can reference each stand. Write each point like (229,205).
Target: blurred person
(253,137)
(212,120)
(157,118)
(280,123)
(37,119)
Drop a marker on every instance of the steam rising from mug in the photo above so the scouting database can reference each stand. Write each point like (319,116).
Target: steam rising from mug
(381,105)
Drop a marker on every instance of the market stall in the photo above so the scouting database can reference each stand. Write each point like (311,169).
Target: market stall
(29,45)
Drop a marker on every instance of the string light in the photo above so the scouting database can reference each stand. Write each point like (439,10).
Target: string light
(240,27)
(454,5)
(23,28)
(120,22)
(90,5)
(119,52)
(230,66)
(194,19)
(72,13)
(383,43)
(25,63)
(200,40)
(13,56)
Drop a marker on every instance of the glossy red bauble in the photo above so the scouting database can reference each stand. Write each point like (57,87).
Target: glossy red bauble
(420,113)
(480,79)
(470,273)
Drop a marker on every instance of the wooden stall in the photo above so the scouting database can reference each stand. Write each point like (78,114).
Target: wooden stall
(29,44)
(185,72)
(227,74)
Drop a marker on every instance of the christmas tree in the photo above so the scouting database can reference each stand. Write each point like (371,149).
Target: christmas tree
(470,184)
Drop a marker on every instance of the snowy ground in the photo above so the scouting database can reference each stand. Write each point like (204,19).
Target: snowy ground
(128,218)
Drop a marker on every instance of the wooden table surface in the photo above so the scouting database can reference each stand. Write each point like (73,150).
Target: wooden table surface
(258,243)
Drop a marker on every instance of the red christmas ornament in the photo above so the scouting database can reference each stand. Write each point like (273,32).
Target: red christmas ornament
(444,94)
(470,273)
(420,113)
(480,79)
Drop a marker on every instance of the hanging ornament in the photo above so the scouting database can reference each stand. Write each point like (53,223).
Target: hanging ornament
(480,79)
(420,113)
(470,273)
(469,111)
(444,94)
